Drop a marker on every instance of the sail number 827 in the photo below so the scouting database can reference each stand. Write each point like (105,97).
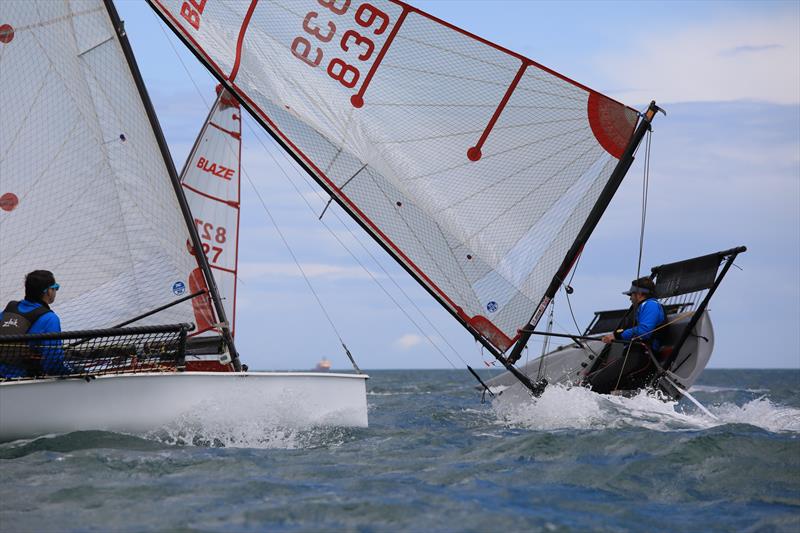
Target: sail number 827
(214,235)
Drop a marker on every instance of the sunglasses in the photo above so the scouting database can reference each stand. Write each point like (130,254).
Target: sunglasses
(55,286)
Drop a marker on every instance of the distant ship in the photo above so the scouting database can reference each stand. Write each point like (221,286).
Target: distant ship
(324,365)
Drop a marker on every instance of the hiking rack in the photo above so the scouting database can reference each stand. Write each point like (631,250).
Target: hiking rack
(95,352)
(694,275)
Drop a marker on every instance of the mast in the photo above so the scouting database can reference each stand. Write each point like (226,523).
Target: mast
(588,227)
(202,260)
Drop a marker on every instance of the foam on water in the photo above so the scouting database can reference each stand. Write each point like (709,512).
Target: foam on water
(242,423)
(259,434)
(762,413)
(578,408)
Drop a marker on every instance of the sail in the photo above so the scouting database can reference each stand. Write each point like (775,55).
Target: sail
(210,181)
(475,167)
(86,191)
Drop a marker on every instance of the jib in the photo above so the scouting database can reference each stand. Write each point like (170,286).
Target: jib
(218,170)
(191,11)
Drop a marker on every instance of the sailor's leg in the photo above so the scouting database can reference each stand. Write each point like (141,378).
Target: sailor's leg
(616,374)
(639,371)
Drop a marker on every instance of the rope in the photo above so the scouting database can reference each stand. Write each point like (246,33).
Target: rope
(678,317)
(546,343)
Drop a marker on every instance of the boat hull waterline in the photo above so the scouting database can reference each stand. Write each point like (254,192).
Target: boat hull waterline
(141,403)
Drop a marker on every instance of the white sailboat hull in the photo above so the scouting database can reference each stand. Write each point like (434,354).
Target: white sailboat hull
(140,403)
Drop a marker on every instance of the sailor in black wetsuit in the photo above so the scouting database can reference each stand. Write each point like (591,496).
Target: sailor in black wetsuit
(631,369)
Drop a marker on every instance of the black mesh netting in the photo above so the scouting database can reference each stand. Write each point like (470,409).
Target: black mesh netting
(94,352)
(686,276)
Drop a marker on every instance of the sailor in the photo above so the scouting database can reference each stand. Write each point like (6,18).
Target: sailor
(633,366)
(33,315)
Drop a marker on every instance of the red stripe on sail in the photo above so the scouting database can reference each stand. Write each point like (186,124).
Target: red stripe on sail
(211,197)
(233,134)
(358,99)
(228,270)
(474,153)
(242,31)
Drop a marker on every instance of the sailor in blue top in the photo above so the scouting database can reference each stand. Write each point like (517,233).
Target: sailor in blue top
(649,315)
(631,368)
(33,315)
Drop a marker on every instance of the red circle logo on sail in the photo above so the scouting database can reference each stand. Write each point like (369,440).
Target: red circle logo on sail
(612,123)
(6,33)
(9,201)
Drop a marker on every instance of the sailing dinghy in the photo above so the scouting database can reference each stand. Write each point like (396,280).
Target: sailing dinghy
(480,171)
(89,191)
(684,289)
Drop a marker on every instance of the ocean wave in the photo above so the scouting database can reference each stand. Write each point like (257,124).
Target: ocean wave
(561,408)
(761,412)
(240,425)
(712,389)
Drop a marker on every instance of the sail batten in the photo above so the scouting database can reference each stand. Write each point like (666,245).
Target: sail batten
(473,166)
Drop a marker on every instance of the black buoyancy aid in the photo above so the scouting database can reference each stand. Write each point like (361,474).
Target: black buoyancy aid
(15,322)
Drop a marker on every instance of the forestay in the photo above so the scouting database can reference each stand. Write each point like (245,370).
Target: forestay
(211,180)
(85,190)
(474,166)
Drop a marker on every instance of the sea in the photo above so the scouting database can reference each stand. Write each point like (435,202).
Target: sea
(435,458)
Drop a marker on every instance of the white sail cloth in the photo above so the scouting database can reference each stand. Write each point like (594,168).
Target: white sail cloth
(86,191)
(474,166)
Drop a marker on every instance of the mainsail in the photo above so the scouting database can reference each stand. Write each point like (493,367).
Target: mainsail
(475,167)
(85,187)
(211,180)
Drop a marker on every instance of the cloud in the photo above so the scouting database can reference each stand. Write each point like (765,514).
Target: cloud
(746,49)
(408,341)
(253,270)
(727,59)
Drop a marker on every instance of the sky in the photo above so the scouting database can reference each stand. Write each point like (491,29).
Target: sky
(724,172)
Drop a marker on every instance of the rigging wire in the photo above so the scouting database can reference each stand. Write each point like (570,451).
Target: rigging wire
(294,257)
(645,189)
(391,278)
